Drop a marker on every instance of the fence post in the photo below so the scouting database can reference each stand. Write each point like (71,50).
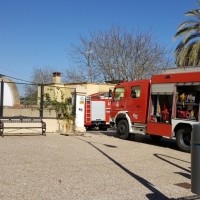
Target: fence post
(74,104)
(195,159)
(1,98)
(41,100)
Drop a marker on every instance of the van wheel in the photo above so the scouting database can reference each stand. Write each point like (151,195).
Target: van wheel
(156,137)
(183,137)
(123,129)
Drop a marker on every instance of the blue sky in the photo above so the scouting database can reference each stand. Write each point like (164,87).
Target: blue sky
(37,33)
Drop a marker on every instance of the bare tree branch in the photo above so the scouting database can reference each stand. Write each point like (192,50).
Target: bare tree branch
(117,55)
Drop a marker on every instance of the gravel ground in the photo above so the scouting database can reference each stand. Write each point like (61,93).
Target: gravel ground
(95,166)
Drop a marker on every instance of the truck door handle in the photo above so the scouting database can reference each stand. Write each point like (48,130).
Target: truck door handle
(137,106)
(122,106)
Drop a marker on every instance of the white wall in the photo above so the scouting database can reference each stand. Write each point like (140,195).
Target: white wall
(7,96)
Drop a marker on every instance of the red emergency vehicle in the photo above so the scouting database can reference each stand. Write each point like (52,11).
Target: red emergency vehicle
(97,111)
(167,105)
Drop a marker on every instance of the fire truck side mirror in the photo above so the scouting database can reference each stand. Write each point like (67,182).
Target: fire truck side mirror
(110,93)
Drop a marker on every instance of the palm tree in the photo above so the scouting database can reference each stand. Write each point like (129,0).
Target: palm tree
(187,53)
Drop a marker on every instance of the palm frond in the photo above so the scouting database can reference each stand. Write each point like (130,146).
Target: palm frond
(188,50)
(194,53)
(187,23)
(193,13)
(188,55)
(187,39)
(183,31)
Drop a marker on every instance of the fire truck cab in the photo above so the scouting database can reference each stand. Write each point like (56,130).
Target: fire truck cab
(167,105)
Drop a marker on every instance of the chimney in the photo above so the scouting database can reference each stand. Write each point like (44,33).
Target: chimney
(56,77)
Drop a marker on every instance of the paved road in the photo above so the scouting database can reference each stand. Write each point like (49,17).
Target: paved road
(96,166)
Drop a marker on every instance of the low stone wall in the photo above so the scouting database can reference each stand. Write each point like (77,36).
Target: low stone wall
(30,112)
(52,124)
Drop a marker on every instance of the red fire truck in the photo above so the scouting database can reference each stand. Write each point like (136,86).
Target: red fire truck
(167,105)
(97,111)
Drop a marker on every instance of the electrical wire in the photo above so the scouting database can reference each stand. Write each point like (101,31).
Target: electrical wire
(12,71)
(2,75)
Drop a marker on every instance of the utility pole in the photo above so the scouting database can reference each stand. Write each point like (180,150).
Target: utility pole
(89,52)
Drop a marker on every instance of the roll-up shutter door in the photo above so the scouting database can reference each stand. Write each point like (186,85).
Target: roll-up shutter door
(162,88)
(98,110)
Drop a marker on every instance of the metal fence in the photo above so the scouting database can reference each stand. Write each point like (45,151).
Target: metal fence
(22,99)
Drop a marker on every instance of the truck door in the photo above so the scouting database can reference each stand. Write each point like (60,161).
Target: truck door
(137,101)
(118,103)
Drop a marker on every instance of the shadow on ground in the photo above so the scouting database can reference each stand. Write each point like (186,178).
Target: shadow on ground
(155,193)
(145,139)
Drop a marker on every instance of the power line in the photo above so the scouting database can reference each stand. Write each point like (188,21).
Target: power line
(2,75)
(11,71)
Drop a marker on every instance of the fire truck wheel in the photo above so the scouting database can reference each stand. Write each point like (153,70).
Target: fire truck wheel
(123,129)
(102,128)
(183,137)
(156,137)
(88,128)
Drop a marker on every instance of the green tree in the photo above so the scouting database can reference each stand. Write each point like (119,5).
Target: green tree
(187,53)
